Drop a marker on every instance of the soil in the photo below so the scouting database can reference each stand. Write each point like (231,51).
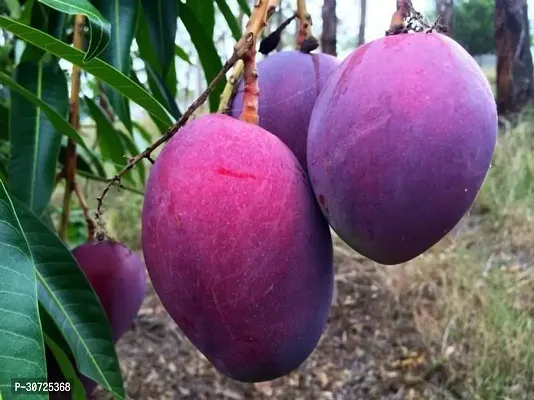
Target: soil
(371,349)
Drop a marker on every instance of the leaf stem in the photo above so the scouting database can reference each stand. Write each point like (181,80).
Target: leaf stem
(254,26)
(69,172)
(231,84)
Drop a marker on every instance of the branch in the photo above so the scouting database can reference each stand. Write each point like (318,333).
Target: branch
(69,171)
(231,85)
(306,42)
(406,19)
(254,26)
(83,204)
(251,90)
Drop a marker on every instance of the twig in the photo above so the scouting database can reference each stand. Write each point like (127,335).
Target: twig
(272,41)
(406,19)
(306,42)
(85,209)
(231,84)
(251,90)
(255,24)
(69,171)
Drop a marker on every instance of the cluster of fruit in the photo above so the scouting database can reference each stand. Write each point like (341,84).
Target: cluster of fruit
(388,148)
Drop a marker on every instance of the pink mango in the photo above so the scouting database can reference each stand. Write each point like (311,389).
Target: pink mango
(237,248)
(289,83)
(400,141)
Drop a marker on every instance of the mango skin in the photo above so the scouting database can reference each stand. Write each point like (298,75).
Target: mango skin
(289,83)
(117,276)
(400,142)
(237,248)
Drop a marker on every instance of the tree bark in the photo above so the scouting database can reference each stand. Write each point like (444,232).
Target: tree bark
(363,17)
(329,35)
(445,10)
(514,59)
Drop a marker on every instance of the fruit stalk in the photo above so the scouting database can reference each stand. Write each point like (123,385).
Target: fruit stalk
(305,24)
(69,166)
(251,90)
(255,24)
(231,85)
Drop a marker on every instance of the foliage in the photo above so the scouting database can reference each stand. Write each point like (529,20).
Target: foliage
(46,301)
(473,25)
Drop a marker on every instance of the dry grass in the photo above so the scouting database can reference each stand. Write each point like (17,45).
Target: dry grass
(474,291)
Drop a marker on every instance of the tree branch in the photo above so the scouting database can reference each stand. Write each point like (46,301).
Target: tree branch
(231,85)
(69,172)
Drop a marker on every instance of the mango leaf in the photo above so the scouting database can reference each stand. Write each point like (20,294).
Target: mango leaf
(100,28)
(123,14)
(48,20)
(69,299)
(230,19)
(68,371)
(4,122)
(161,19)
(180,52)
(244,6)
(57,120)
(35,142)
(22,352)
(207,53)
(161,92)
(96,67)
(14,8)
(204,10)
(109,139)
(146,50)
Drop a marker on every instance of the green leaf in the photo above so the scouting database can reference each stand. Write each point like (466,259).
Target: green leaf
(66,367)
(204,10)
(230,19)
(4,123)
(96,67)
(14,8)
(123,14)
(48,20)
(22,353)
(57,120)
(207,53)
(161,92)
(161,19)
(66,294)
(35,142)
(180,52)
(109,139)
(244,6)
(100,28)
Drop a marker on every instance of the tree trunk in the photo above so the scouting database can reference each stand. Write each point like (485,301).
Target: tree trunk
(328,37)
(363,17)
(445,10)
(514,59)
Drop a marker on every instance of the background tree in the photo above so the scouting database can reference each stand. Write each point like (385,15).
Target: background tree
(474,25)
(363,17)
(514,58)
(445,9)
(328,37)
